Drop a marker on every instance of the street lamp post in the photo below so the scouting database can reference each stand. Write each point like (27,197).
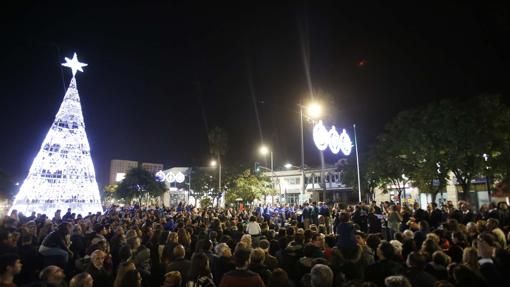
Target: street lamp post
(357,162)
(215,163)
(264,150)
(487,182)
(314,110)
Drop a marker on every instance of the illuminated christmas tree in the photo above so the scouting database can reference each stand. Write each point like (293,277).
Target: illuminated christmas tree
(62,174)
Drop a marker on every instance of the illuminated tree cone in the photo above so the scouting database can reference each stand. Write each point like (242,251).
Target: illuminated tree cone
(62,175)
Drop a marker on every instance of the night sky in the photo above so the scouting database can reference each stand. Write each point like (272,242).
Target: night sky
(159,74)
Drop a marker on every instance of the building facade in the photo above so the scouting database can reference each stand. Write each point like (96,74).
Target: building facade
(152,167)
(294,186)
(119,168)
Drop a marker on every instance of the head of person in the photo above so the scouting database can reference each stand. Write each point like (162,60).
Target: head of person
(10,264)
(222,249)
(441,258)
(100,229)
(397,281)
(385,250)
(65,228)
(52,275)
(199,266)
(470,257)
(257,256)
(242,257)
(132,278)
(278,278)
(265,245)
(124,267)
(179,252)
(83,279)
(321,276)
(486,243)
(173,279)
(416,260)
(134,242)
(97,259)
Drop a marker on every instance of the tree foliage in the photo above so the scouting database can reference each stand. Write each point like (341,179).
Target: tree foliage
(248,187)
(138,183)
(427,143)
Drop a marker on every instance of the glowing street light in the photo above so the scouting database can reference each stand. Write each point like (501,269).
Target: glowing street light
(288,165)
(314,110)
(264,150)
(213,163)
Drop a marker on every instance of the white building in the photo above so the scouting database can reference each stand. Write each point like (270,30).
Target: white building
(294,188)
(152,167)
(119,168)
(177,180)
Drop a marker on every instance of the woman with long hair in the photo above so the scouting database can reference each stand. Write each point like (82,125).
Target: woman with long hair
(200,273)
(132,278)
(124,267)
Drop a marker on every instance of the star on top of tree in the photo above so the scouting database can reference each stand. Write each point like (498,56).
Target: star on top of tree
(74,64)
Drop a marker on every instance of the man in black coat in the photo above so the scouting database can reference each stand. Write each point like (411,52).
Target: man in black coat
(386,266)
(416,261)
(179,263)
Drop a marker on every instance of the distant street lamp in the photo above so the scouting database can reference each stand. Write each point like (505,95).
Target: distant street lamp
(313,111)
(213,164)
(487,182)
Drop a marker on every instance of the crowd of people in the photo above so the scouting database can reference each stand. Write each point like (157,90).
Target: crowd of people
(317,245)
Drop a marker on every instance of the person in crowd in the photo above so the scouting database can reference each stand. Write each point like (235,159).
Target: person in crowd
(271,262)
(179,263)
(52,276)
(101,276)
(173,279)
(83,279)
(397,281)
(57,243)
(199,274)
(321,276)
(486,243)
(132,278)
(10,265)
(224,262)
(124,267)
(257,259)
(242,276)
(416,263)
(386,266)
(279,278)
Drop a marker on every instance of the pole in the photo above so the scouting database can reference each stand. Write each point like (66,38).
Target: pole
(357,162)
(219,179)
(272,177)
(302,154)
(323,182)
(189,183)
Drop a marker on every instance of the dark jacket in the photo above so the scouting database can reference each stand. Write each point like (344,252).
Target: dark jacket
(241,278)
(182,265)
(262,270)
(419,278)
(222,265)
(378,271)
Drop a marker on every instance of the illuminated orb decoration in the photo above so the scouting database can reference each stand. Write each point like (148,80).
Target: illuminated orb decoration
(345,143)
(334,140)
(179,177)
(160,176)
(320,136)
(62,174)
